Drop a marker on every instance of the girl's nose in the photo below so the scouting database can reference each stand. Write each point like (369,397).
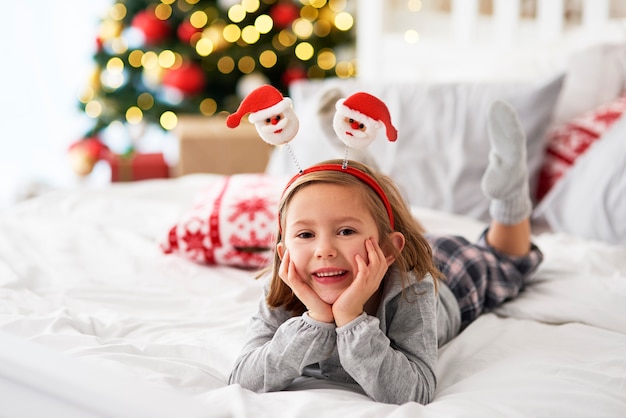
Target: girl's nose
(325,250)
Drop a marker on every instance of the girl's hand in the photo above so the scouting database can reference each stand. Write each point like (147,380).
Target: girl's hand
(351,302)
(317,308)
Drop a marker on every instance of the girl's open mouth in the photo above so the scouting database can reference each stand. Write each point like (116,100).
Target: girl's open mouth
(330,276)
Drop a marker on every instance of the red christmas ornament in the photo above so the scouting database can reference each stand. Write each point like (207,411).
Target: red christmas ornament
(188,78)
(84,154)
(99,43)
(186,31)
(283,14)
(154,29)
(292,74)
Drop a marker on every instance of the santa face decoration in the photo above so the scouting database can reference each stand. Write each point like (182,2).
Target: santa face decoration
(358,118)
(280,128)
(353,132)
(271,113)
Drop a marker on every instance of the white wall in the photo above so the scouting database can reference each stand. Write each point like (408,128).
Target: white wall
(45,49)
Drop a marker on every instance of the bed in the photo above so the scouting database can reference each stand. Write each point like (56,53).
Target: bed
(116,301)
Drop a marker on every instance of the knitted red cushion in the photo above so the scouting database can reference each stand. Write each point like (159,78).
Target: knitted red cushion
(568,142)
(232,222)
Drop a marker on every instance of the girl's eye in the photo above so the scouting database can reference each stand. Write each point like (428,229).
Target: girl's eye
(304,235)
(347,231)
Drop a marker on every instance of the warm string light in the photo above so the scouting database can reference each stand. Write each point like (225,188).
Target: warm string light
(412,36)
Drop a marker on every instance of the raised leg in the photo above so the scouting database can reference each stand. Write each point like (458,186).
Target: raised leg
(505,182)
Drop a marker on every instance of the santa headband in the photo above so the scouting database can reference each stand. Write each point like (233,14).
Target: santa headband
(356,122)
(361,175)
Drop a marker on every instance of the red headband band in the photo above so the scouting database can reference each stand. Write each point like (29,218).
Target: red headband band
(364,177)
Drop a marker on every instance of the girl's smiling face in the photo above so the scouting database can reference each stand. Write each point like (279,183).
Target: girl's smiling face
(326,226)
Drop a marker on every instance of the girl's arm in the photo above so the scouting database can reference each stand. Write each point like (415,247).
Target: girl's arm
(279,348)
(398,365)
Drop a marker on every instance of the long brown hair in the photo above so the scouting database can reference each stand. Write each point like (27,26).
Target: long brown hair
(415,257)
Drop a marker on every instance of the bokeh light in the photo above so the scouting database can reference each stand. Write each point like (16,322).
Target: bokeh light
(344,21)
(168,120)
(204,47)
(135,58)
(246,64)
(208,107)
(263,24)
(134,115)
(163,11)
(117,11)
(326,59)
(268,58)
(145,101)
(231,33)
(414,5)
(226,65)
(93,109)
(250,6)
(198,19)
(304,51)
(303,28)
(167,58)
(250,34)
(236,13)
(411,36)
(150,60)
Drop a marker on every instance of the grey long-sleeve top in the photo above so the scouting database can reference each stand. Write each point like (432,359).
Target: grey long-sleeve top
(391,356)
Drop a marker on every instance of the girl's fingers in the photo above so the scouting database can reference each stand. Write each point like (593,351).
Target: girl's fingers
(288,273)
(292,274)
(282,270)
(374,252)
(374,255)
(375,267)
(361,265)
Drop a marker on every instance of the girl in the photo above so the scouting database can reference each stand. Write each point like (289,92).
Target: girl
(359,294)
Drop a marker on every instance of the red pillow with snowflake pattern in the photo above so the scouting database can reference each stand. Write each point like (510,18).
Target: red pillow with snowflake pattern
(232,222)
(569,141)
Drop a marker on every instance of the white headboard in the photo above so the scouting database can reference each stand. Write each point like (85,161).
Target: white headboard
(479,39)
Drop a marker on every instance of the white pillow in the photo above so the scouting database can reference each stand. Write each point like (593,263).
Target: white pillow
(442,147)
(590,200)
(595,75)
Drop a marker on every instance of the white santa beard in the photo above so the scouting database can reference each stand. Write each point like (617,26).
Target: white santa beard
(354,138)
(288,128)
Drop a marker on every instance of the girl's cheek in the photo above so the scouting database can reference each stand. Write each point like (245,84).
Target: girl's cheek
(295,254)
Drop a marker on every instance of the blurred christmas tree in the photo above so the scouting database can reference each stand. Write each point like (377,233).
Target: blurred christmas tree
(159,59)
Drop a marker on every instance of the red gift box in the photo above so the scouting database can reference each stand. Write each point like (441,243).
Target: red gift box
(138,167)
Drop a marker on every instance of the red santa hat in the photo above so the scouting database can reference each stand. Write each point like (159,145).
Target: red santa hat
(370,111)
(262,103)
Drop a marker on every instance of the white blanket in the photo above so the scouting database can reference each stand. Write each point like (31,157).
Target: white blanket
(95,304)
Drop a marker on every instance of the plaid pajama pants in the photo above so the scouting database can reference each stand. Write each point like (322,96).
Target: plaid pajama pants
(478,275)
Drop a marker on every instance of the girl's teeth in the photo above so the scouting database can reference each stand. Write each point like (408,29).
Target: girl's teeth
(328,274)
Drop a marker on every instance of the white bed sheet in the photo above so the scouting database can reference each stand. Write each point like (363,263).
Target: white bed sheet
(82,279)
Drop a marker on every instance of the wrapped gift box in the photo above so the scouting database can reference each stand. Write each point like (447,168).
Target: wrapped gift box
(138,166)
(207,145)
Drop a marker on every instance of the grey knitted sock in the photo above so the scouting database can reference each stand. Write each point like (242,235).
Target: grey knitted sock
(505,181)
